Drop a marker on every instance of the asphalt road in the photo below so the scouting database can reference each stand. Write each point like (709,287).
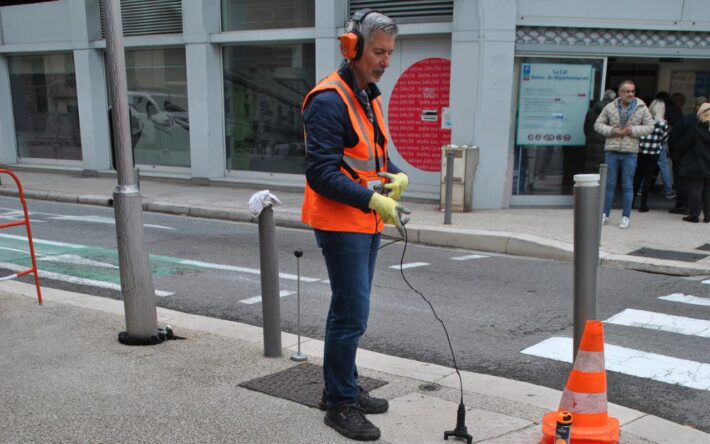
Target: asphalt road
(494,306)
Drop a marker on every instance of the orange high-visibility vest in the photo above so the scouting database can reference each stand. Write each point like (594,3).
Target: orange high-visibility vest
(359,165)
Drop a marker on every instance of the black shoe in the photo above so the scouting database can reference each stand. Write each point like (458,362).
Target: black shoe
(643,209)
(368,404)
(694,220)
(678,210)
(349,420)
(706,219)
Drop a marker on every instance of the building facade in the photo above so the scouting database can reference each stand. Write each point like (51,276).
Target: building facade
(215,86)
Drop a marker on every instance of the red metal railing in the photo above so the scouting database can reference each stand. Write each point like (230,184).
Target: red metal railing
(26,223)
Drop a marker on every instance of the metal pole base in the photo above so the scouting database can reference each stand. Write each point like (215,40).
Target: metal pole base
(299,357)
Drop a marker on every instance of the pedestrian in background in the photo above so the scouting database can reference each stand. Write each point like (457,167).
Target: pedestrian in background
(623,122)
(649,149)
(346,164)
(677,132)
(594,151)
(694,151)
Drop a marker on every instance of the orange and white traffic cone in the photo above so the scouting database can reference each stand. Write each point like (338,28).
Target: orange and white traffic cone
(585,395)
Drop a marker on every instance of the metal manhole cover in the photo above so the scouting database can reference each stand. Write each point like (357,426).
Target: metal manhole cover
(669,255)
(302,383)
(705,247)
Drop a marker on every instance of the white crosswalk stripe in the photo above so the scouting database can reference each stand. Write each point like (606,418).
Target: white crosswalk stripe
(633,362)
(686,299)
(662,322)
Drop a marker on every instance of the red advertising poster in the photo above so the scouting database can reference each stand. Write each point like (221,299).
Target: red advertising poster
(418,113)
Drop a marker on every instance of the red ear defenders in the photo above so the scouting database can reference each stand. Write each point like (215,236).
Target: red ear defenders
(352,42)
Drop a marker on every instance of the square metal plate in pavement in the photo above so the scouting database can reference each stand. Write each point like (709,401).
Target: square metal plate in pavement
(669,255)
(302,383)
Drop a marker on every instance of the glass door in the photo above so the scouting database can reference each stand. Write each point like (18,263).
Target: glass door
(549,147)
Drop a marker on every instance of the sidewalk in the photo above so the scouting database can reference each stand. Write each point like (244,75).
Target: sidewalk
(67,379)
(532,232)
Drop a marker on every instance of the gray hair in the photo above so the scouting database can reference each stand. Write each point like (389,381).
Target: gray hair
(626,82)
(609,94)
(373,22)
(699,101)
(658,109)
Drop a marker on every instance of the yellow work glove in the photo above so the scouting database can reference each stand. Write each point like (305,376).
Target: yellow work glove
(390,211)
(396,185)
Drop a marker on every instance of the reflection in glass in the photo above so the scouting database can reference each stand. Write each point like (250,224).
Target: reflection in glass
(157,102)
(546,170)
(239,15)
(45,106)
(264,87)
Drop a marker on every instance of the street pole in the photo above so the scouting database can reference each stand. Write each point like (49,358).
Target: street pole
(586,251)
(270,298)
(136,279)
(449,185)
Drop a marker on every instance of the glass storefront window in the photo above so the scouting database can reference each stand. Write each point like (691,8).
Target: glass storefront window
(549,169)
(264,87)
(157,102)
(240,15)
(45,106)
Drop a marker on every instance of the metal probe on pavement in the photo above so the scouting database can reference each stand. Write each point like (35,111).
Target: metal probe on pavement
(298,356)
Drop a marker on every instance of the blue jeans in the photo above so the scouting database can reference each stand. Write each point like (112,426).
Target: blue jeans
(350,260)
(665,171)
(627,163)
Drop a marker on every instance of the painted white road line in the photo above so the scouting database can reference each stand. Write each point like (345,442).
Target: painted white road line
(63,258)
(257,299)
(706,281)
(633,362)
(102,220)
(686,299)
(468,257)
(213,266)
(410,265)
(77,280)
(74,259)
(662,322)
(43,242)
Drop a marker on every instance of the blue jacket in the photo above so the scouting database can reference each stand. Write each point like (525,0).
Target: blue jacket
(329,131)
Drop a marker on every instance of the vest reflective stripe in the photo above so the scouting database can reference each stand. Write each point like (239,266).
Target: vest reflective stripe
(589,362)
(358,164)
(583,403)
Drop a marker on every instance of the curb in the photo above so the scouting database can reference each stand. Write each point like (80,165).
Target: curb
(634,422)
(516,244)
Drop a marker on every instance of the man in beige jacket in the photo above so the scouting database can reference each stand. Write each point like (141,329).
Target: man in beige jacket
(623,122)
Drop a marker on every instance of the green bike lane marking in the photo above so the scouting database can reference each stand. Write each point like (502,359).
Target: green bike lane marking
(98,266)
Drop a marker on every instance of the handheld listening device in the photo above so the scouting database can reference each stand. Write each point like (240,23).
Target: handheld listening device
(352,41)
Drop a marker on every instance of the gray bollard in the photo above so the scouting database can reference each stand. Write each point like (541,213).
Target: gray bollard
(298,356)
(603,168)
(270,298)
(586,251)
(449,186)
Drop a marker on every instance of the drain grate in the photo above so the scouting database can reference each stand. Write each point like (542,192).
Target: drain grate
(705,247)
(302,383)
(669,255)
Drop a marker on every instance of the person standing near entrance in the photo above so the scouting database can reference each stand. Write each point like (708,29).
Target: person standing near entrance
(623,122)
(352,188)
(694,150)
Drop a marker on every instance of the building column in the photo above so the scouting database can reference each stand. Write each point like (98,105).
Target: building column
(204,89)
(8,141)
(482,54)
(93,109)
(330,15)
